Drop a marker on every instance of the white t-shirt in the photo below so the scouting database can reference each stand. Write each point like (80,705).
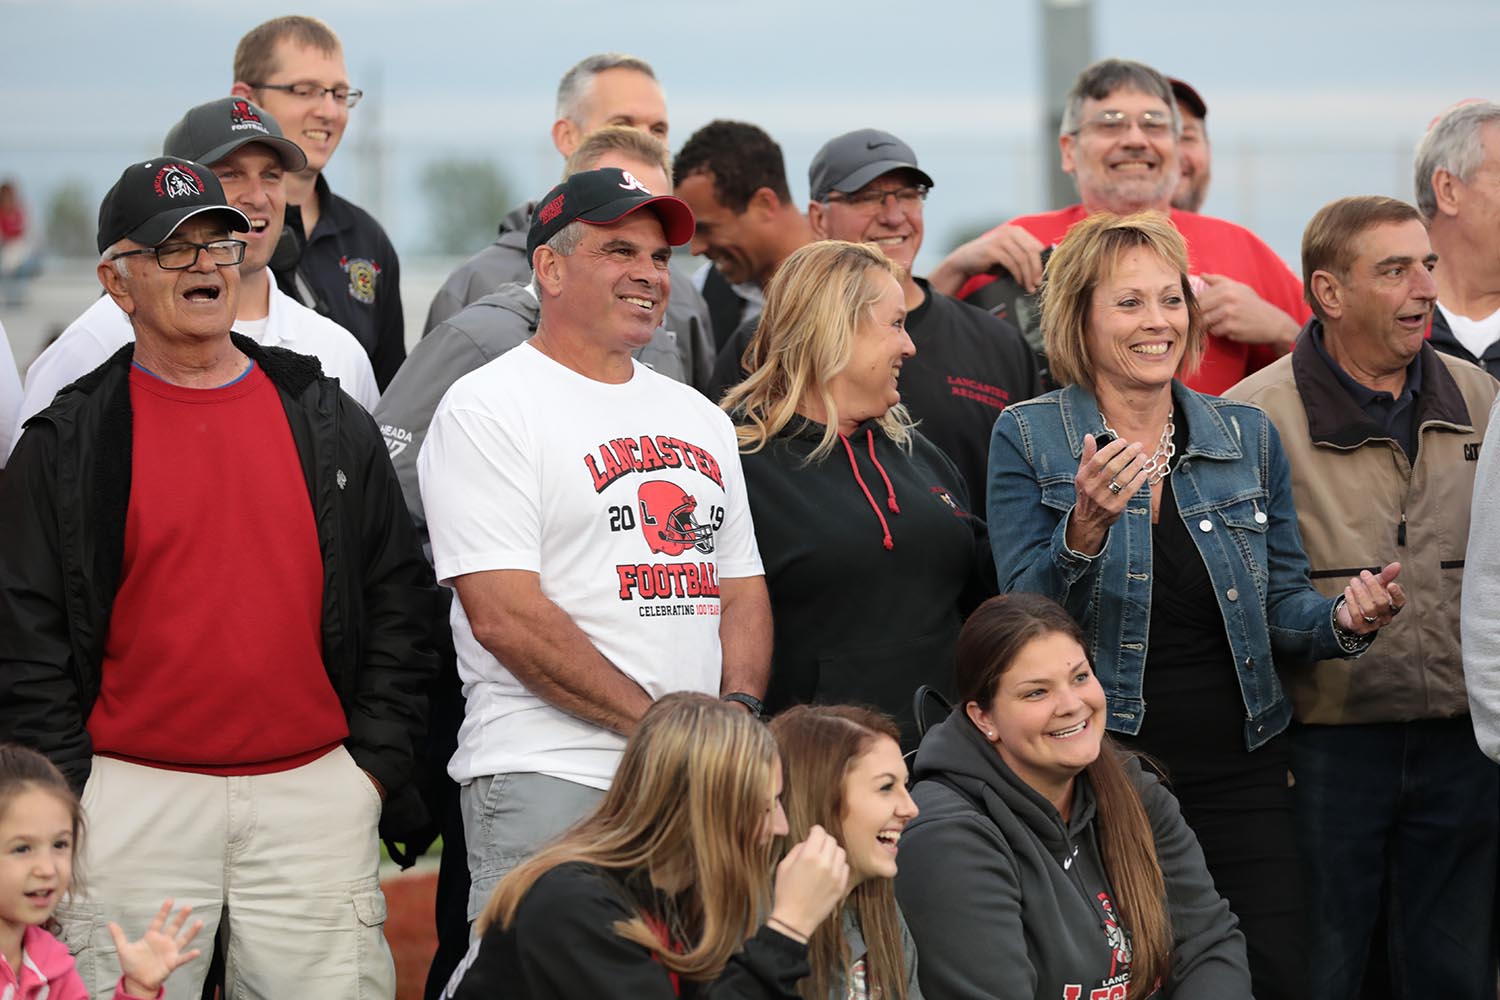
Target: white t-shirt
(103,328)
(10,397)
(1475,334)
(629,502)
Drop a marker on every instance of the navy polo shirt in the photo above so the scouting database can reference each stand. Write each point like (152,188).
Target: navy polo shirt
(1395,416)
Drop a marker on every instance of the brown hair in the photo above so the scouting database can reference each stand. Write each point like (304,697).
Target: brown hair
(23,770)
(689,798)
(992,638)
(814,305)
(619,139)
(1085,258)
(255,56)
(1328,240)
(819,744)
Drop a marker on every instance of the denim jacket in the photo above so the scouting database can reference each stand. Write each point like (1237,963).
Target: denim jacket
(1233,489)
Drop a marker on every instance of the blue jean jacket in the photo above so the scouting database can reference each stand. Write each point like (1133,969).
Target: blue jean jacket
(1233,489)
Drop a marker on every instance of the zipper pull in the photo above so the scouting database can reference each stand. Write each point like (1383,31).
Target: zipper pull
(1401,530)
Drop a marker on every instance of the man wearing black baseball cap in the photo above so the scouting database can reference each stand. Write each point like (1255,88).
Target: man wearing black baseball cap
(1194,156)
(866,187)
(215,612)
(591,516)
(244,147)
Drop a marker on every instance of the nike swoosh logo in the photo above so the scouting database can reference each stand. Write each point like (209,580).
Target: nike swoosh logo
(877,145)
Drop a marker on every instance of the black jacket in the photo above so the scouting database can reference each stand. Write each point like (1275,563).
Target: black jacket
(64,503)
(1442,339)
(855,620)
(347,269)
(562,945)
(1006,901)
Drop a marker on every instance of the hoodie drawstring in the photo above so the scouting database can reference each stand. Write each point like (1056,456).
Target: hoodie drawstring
(890,492)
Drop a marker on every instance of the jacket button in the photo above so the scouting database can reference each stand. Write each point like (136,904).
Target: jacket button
(1260,517)
(1232,594)
(1205,525)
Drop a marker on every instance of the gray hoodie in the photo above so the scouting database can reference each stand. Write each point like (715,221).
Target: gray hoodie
(855,940)
(1479,614)
(1008,901)
(684,329)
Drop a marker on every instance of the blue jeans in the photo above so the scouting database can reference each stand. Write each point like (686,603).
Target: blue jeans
(1412,809)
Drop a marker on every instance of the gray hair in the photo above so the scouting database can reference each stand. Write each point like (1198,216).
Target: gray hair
(566,239)
(121,264)
(1454,144)
(1109,75)
(575,82)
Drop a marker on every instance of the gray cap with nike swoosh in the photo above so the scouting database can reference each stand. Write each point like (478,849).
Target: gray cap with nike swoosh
(848,162)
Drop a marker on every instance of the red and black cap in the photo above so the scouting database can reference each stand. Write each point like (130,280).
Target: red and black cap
(151,199)
(210,132)
(601,197)
(1188,99)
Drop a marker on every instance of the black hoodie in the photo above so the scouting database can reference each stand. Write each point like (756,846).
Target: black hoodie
(872,560)
(1008,901)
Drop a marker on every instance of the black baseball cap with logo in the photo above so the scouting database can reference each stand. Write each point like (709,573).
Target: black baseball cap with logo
(848,162)
(601,197)
(210,132)
(151,199)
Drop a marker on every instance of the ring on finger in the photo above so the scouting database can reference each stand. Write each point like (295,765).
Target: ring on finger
(1115,487)
(1369,620)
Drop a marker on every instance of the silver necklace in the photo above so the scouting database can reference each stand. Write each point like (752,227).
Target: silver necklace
(1159,465)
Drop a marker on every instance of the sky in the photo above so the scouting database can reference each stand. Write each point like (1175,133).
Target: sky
(1307,101)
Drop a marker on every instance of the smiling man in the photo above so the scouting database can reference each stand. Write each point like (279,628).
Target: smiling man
(591,516)
(1394,799)
(341,263)
(244,147)
(600,91)
(214,618)
(1119,138)
(866,187)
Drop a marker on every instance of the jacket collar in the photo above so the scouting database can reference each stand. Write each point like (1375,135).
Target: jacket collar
(1335,419)
(1208,434)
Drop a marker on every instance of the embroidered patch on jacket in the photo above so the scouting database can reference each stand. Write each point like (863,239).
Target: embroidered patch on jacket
(362,276)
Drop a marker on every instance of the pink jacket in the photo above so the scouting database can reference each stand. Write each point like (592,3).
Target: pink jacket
(47,972)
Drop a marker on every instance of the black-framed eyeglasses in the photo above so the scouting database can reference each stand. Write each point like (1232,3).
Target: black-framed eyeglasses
(181,256)
(309,91)
(869,201)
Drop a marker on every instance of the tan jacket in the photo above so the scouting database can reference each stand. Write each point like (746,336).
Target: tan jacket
(1360,505)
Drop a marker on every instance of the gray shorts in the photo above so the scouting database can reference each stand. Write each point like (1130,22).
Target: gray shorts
(508,817)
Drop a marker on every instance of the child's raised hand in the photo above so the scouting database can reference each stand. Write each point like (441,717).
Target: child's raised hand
(147,963)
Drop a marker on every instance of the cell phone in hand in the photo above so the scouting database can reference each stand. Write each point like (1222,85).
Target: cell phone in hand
(1103,439)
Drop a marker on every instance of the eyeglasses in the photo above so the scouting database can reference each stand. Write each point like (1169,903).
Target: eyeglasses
(907,198)
(1154,124)
(181,256)
(314,92)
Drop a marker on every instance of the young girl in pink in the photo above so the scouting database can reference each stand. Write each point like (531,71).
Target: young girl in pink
(41,833)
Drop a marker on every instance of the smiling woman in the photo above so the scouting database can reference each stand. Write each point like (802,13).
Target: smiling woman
(1125,490)
(1046,863)
(845,774)
(872,556)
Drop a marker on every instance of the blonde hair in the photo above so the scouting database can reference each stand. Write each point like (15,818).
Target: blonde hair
(632,142)
(689,798)
(255,56)
(814,305)
(1085,257)
(819,745)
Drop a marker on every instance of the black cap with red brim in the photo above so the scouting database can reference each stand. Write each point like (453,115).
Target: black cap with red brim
(603,197)
(151,199)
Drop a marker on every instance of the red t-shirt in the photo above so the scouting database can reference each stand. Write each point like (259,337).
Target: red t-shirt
(1214,247)
(213,661)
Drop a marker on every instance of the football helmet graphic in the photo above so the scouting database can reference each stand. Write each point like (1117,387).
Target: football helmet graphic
(667,519)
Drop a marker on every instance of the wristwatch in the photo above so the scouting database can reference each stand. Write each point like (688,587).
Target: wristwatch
(755,705)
